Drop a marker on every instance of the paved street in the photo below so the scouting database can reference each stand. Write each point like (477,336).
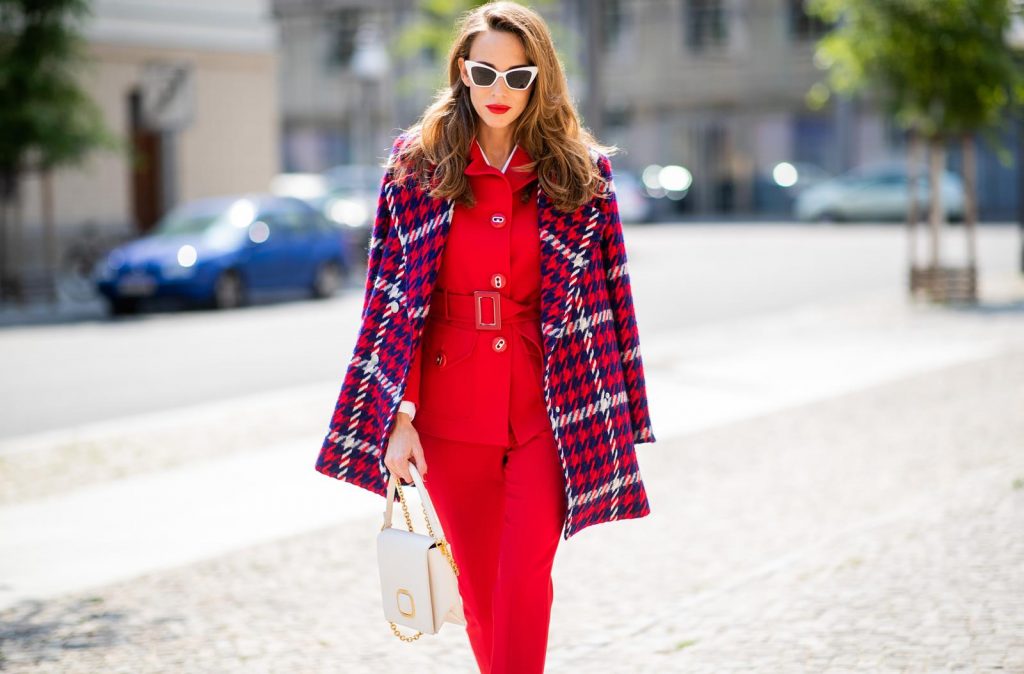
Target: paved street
(684,276)
(837,486)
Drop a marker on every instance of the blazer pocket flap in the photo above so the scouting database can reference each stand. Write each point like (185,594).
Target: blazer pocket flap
(448,345)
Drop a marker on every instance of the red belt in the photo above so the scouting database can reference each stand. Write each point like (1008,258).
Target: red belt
(459,307)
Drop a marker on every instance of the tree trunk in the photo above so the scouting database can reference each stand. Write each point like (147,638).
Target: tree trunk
(4,208)
(913,161)
(937,160)
(17,266)
(6,194)
(50,234)
(970,198)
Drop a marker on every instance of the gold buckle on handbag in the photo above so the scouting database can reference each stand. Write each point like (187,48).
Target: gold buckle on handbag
(496,300)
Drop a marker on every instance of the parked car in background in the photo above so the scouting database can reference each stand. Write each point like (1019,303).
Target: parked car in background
(634,203)
(350,200)
(776,187)
(346,195)
(876,192)
(225,251)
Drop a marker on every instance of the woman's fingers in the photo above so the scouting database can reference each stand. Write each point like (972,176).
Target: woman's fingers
(399,465)
(417,455)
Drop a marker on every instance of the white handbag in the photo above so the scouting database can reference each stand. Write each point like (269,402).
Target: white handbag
(418,575)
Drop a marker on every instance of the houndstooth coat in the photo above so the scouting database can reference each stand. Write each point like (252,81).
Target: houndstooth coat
(594,386)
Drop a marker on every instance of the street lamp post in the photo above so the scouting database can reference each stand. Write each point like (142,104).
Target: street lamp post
(370,65)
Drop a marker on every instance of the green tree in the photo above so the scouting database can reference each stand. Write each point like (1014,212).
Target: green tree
(942,69)
(47,119)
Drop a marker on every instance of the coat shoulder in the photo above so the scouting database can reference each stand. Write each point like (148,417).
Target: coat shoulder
(601,160)
(604,167)
(395,156)
(418,175)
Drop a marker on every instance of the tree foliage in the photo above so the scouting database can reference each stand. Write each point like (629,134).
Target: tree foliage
(938,66)
(47,119)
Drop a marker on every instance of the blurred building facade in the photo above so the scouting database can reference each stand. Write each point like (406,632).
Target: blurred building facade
(338,100)
(191,87)
(716,86)
(720,87)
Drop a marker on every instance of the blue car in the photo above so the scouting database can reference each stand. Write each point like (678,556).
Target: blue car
(224,252)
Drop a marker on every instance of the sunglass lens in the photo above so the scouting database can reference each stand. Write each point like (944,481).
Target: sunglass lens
(518,79)
(482,77)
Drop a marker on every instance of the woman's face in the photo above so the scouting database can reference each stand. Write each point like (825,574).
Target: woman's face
(500,50)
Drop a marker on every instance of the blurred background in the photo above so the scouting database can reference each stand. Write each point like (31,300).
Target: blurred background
(823,212)
(726,110)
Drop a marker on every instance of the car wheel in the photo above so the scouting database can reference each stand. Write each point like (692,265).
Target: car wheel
(327,280)
(122,306)
(228,291)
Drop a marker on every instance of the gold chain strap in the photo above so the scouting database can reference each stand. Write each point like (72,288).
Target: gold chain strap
(442,545)
(394,628)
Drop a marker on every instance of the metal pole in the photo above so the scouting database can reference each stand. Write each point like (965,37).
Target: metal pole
(1020,186)
(595,45)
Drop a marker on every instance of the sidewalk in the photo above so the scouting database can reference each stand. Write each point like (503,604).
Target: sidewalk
(833,489)
(37,312)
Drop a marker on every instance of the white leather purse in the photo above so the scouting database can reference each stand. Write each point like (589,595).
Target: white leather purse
(418,575)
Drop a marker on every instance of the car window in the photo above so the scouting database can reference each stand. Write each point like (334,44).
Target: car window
(283,218)
(191,218)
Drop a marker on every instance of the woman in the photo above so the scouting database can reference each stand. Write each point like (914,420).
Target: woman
(499,344)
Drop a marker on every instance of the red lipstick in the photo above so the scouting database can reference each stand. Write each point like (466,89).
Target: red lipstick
(498,109)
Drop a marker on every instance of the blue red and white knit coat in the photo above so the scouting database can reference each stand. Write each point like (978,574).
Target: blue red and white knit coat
(594,386)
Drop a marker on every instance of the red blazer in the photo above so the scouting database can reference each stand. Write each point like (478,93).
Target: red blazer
(482,385)
(593,377)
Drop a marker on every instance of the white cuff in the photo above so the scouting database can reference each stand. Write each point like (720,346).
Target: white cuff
(409,407)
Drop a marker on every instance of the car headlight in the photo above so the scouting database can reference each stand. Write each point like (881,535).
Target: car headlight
(184,264)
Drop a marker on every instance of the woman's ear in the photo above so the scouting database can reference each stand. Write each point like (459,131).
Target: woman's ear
(462,71)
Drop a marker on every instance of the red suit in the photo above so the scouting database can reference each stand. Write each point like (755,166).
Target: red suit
(494,472)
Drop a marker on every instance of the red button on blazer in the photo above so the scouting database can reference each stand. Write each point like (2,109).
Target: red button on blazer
(472,385)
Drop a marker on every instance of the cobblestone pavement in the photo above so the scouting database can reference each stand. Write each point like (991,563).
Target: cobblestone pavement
(876,531)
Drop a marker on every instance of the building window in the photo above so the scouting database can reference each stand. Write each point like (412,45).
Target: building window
(705,24)
(804,26)
(343,24)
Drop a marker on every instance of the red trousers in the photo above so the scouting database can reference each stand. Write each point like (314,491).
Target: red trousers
(502,508)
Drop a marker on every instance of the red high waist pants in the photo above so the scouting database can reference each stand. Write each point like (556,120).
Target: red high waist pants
(502,508)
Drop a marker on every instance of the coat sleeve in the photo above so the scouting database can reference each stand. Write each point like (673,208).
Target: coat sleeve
(412,385)
(620,297)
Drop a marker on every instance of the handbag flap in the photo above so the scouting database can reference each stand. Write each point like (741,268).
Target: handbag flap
(404,578)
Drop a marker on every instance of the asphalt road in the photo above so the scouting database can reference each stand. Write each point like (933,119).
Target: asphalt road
(63,375)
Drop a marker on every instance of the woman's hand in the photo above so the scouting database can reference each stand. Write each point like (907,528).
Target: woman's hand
(404,443)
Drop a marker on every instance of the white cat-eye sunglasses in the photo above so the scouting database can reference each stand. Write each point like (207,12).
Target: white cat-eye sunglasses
(515,78)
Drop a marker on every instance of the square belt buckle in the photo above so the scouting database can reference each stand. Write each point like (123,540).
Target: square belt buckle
(496,299)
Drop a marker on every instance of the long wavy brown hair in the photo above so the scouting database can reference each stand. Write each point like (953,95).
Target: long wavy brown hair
(549,128)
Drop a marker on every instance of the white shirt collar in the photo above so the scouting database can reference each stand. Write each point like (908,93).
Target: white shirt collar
(507,161)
